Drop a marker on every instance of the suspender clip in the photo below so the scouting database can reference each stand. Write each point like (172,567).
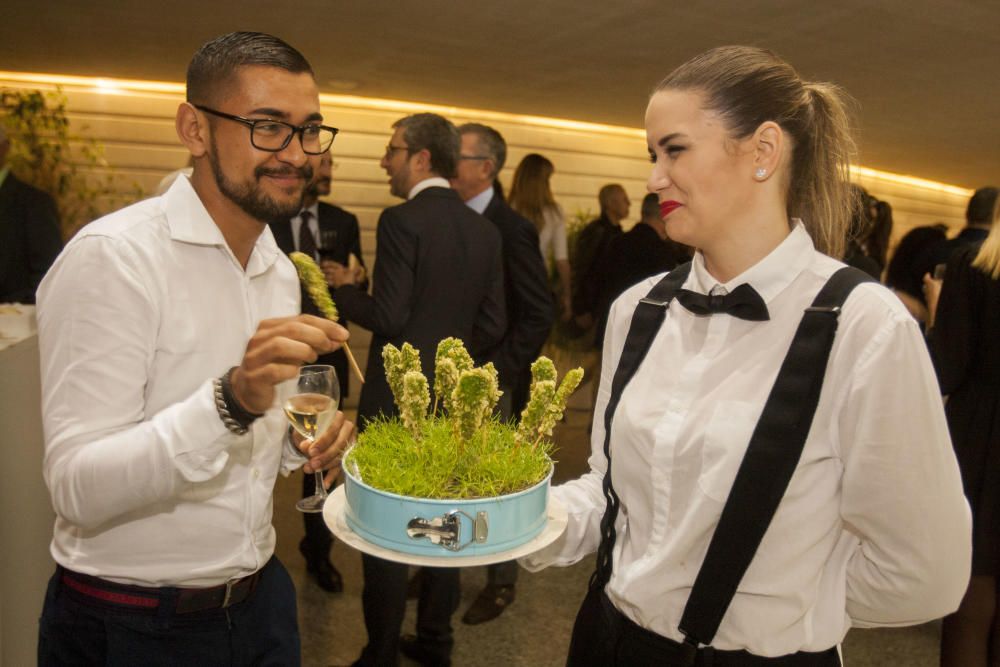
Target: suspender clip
(654,302)
(832,310)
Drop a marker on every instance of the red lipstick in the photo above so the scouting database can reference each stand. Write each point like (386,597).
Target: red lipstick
(668,207)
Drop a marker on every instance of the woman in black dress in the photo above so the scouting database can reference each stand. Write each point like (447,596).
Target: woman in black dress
(965,340)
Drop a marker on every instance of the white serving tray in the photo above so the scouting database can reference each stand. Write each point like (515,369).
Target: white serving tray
(336,505)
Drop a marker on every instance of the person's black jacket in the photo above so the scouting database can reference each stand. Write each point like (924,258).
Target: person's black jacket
(30,239)
(589,248)
(530,309)
(438,273)
(339,236)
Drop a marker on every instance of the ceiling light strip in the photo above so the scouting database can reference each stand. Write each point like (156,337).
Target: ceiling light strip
(119,86)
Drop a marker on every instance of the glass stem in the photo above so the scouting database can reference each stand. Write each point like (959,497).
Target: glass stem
(320,484)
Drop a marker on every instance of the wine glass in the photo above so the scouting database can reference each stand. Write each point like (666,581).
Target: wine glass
(310,410)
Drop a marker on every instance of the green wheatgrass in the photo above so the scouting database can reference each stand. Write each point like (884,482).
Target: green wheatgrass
(460,450)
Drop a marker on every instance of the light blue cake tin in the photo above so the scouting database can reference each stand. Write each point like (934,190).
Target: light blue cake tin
(445,528)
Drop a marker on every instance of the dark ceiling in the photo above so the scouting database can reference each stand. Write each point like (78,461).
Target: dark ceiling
(924,74)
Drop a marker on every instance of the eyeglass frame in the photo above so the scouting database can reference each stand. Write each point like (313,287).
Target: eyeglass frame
(390,150)
(252,124)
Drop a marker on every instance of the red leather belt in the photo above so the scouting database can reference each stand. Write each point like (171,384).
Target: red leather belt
(145,598)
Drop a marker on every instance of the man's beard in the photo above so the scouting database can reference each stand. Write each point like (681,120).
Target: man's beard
(397,182)
(252,199)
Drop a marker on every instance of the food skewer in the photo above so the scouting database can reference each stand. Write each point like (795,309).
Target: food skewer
(315,282)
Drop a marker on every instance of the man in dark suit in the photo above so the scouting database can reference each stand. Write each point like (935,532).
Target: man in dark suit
(530,311)
(978,218)
(438,273)
(331,236)
(641,252)
(590,245)
(29,233)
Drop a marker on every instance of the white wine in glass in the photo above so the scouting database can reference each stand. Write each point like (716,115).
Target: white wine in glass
(310,410)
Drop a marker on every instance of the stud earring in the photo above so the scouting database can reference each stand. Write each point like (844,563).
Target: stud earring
(760,173)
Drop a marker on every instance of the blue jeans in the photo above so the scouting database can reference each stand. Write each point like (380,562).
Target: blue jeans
(261,630)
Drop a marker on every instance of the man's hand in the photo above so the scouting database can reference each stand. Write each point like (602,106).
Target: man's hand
(326,451)
(336,273)
(275,353)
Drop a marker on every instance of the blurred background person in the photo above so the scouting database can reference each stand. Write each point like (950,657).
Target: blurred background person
(590,246)
(530,312)
(861,228)
(906,270)
(641,252)
(30,238)
(531,196)
(965,340)
(330,235)
(978,217)
(876,244)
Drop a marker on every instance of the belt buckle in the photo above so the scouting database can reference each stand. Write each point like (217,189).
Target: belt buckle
(229,592)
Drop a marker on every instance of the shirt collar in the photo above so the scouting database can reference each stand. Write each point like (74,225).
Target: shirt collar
(432,182)
(313,210)
(190,222)
(770,276)
(481,201)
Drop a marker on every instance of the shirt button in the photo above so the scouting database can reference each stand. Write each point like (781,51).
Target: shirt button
(256,473)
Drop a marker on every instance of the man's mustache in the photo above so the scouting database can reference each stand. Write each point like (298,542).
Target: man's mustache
(304,172)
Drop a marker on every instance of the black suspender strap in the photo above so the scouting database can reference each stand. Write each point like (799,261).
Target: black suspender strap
(646,321)
(769,462)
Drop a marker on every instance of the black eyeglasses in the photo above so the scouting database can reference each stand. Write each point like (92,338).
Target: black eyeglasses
(275,135)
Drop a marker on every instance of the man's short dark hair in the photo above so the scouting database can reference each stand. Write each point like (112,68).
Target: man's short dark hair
(980,208)
(213,65)
(650,206)
(490,142)
(437,135)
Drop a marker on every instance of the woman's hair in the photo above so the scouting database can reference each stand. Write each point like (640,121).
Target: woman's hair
(530,192)
(906,268)
(877,243)
(988,258)
(748,86)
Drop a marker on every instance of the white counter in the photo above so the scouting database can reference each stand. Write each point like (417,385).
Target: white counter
(26,515)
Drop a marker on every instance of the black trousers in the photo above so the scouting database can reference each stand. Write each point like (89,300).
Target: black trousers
(262,630)
(318,538)
(604,637)
(384,604)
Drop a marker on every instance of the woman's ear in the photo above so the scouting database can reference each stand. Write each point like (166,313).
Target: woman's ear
(192,129)
(768,148)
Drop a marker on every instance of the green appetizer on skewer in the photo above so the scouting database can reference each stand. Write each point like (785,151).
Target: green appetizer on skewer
(315,283)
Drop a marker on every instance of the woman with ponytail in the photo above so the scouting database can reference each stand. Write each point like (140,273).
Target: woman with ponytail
(770,460)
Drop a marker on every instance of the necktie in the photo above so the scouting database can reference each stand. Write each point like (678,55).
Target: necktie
(307,242)
(743,302)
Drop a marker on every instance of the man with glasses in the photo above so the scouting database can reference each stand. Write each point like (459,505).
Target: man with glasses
(438,273)
(331,236)
(161,462)
(530,311)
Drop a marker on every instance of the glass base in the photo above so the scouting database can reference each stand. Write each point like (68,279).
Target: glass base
(312,504)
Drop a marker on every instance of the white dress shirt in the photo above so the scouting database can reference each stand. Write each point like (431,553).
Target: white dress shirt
(873,529)
(552,236)
(296,223)
(432,182)
(137,315)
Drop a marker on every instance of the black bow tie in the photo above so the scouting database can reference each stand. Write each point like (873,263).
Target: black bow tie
(743,302)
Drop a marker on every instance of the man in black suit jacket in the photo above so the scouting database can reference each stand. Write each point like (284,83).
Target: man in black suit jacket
(331,235)
(530,311)
(438,273)
(29,234)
